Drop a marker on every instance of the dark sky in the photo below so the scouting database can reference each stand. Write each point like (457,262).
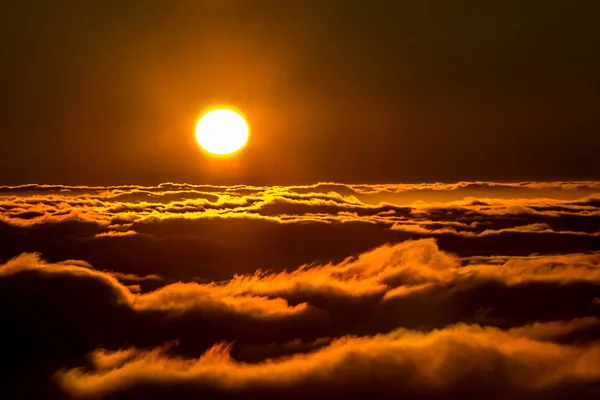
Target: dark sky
(108,92)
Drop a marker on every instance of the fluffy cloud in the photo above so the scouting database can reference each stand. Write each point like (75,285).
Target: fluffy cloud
(61,311)
(203,231)
(459,361)
(181,291)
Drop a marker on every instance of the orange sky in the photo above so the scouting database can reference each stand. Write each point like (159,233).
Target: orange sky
(105,93)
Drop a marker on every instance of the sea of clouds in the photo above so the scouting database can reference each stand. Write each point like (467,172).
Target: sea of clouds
(465,290)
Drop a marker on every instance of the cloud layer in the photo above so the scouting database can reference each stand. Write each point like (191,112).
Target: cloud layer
(331,290)
(204,231)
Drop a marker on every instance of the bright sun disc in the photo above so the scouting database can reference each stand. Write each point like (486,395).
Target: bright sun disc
(222,132)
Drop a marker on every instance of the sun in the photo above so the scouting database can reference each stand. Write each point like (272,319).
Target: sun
(222,132)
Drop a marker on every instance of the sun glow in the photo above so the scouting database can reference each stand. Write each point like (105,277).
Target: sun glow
(222,132)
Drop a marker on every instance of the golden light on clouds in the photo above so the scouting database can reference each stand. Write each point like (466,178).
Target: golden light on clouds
(489,290)
(222,132)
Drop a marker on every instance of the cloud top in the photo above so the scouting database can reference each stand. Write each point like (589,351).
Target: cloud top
(328,291)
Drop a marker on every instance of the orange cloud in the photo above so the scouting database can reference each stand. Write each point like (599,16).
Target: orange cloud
(457,360)
(402,315)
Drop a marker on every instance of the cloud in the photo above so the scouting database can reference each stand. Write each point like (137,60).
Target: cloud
(68,309)
(115,233)
(462,360)
(202,231)
(339,290)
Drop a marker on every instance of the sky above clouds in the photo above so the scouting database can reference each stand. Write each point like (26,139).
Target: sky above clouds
(107,92)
